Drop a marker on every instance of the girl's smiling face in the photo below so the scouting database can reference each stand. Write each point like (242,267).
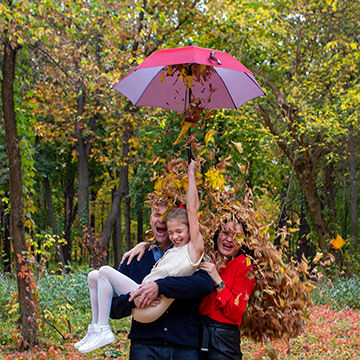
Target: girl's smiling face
(178,233)
(226,242)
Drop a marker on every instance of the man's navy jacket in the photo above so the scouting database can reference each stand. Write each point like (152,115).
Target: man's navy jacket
(180,324)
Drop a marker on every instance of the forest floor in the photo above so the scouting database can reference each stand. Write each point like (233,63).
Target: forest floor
(328,335)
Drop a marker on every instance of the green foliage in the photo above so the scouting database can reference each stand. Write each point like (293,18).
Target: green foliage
(306,57)
(8,306)
(43,249)
(62,298)
(340,293)
(63,310)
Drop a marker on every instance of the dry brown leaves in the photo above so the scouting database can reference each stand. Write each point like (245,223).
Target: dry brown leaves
(278,305)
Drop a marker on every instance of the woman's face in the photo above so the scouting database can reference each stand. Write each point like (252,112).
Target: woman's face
(226,242)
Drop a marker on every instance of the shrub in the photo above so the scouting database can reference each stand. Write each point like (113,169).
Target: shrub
(63,310)
(8,307)
(339,293)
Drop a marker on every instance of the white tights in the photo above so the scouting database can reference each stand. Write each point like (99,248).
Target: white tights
(104,284)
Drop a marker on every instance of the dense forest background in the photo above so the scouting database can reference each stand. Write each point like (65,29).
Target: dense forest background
(77,159)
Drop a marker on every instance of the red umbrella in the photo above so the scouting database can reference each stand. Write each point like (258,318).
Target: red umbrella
(210,79)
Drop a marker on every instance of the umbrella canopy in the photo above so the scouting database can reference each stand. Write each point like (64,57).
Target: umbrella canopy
(205,78)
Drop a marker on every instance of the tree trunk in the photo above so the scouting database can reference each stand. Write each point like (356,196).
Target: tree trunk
(127,221)
(283,217)
(69,218)
(59,252)
(329,194)
(304,247)
(117,239)
(140,224)
(353,193)
(113,213)
(122,189)
(83,148)
(27,306)
(305,171)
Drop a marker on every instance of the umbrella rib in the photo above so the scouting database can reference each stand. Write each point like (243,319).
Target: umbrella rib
(255,82)
(232,100)
(137,101)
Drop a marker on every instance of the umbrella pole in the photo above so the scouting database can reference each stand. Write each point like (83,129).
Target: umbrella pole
(189,146)
(189,131)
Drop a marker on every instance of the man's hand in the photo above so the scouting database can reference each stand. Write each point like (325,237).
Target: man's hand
(138,250)
(153,303)
(145,295)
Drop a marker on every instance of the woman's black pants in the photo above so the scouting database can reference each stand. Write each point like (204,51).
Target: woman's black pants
(220,341)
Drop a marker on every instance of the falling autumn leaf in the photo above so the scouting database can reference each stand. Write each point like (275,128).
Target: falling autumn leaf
(158,186)
(188,81)
(185,127)
(240,240)
(170,207)
(209,137)
(310,286)
(202,68)
(238,146)
(337,242)
(170,70)
(209,114)
(318,256)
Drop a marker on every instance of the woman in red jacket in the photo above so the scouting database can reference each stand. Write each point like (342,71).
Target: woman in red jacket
(223,309)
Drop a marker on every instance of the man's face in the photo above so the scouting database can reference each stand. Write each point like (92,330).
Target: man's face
(159,228)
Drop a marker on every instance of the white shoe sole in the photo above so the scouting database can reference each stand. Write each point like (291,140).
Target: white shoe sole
(97,346)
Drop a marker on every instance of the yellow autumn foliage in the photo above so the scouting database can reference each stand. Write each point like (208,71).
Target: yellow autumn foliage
(215,179)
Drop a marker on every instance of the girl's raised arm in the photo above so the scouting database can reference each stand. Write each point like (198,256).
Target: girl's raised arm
(196,244)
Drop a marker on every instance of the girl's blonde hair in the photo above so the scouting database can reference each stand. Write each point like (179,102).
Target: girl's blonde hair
(178,214)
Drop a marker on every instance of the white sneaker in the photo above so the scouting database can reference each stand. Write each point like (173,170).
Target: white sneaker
(101,336)
(85,338)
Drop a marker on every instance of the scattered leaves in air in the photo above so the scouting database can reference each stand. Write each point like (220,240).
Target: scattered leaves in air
(191,75)
(278,305)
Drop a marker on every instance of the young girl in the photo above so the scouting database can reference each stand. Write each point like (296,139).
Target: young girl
(182,260)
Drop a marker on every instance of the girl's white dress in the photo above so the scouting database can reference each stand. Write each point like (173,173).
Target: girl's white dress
(175,262)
